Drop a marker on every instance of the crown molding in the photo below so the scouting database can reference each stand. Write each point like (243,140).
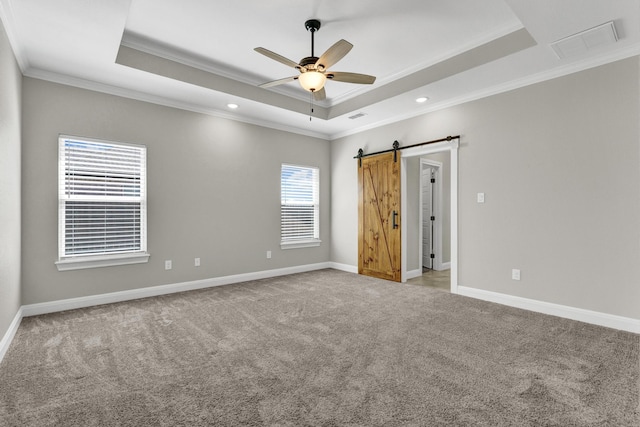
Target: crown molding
(167,102)
(152,47)
(179,72)
(477,42)
(6,15)
(561,71)
(143,44)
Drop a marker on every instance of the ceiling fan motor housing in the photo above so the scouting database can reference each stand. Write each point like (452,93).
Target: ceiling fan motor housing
(312,25)
(309,62)
(313,74)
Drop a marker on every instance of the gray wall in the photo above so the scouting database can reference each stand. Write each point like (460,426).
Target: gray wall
(213,191)
(559,163)
(10,110)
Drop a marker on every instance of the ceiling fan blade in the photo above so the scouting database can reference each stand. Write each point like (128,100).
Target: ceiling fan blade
(320,95)
(279,82)
(334,54)
(276,57)
(363,79)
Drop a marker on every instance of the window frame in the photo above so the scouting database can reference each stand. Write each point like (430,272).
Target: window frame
(304,242)
(101,259)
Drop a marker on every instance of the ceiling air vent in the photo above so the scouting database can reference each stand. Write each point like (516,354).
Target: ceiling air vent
(357,116)
(586,40)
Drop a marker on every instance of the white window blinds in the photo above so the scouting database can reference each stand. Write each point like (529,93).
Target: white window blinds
(299,203)
(102,198)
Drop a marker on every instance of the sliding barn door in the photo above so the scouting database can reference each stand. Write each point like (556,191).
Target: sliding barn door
(379,216)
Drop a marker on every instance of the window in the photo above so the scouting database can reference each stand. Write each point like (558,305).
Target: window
(299,206)
(102,216)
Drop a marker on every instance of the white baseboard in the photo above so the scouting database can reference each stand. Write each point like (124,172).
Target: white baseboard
(443,266)
(89,301)
(588,316)
(418,272)
(11,332)
(344,267)
(594,317)
(414,273)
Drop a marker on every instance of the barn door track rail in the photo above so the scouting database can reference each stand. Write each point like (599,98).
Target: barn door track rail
(396,147)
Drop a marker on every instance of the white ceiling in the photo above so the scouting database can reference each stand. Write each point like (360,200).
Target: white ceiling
(198,54)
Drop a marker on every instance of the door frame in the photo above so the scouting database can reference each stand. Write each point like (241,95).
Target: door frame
(437,207)
(451,146)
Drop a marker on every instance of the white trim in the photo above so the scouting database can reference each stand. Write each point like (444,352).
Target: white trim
(69,159)
(422,150)
(6,15)
(597,318)
(300,244)
(420,217)
(344,267)
(453,264)
(80,263)
(11,332)
(164,101)
(151,47)
(298,183)
(403,223)
(517,83)
(444,266)
(143,44)
(92,300)
(414,273)
(148,46)
(492,35)
(567,312)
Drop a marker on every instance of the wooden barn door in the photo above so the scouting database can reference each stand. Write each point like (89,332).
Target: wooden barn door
(379,216)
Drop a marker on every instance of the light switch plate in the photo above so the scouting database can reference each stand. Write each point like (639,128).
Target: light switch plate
(480,197)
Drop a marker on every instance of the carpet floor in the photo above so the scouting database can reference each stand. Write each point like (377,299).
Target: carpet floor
(324,348)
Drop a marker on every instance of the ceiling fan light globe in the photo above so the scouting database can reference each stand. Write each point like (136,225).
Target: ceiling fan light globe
(312,81)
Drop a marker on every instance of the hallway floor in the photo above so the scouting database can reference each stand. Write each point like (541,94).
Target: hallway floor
(433,279)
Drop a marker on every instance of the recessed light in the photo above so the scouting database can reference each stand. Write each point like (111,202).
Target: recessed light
(422,99)
(232,106)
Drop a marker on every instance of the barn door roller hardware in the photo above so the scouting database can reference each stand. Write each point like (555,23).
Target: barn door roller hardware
(396,147)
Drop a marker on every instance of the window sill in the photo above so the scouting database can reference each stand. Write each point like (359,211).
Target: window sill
(80,263)
(300,244)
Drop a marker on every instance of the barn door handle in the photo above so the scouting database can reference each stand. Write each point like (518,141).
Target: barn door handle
(395,224)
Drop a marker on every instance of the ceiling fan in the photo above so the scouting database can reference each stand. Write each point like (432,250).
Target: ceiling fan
(313,70)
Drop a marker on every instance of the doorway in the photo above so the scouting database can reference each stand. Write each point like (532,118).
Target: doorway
(452,147)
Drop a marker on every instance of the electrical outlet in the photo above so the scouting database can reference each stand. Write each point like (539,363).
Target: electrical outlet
(515,274)
(268,254)
(167,265)
(196,262)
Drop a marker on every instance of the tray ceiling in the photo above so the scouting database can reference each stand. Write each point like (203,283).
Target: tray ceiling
(198,54)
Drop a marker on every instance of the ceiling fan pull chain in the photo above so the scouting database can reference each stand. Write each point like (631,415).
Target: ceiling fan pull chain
(311,104)
(313,70)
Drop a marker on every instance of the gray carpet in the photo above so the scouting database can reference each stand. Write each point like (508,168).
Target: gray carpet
(325,348)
